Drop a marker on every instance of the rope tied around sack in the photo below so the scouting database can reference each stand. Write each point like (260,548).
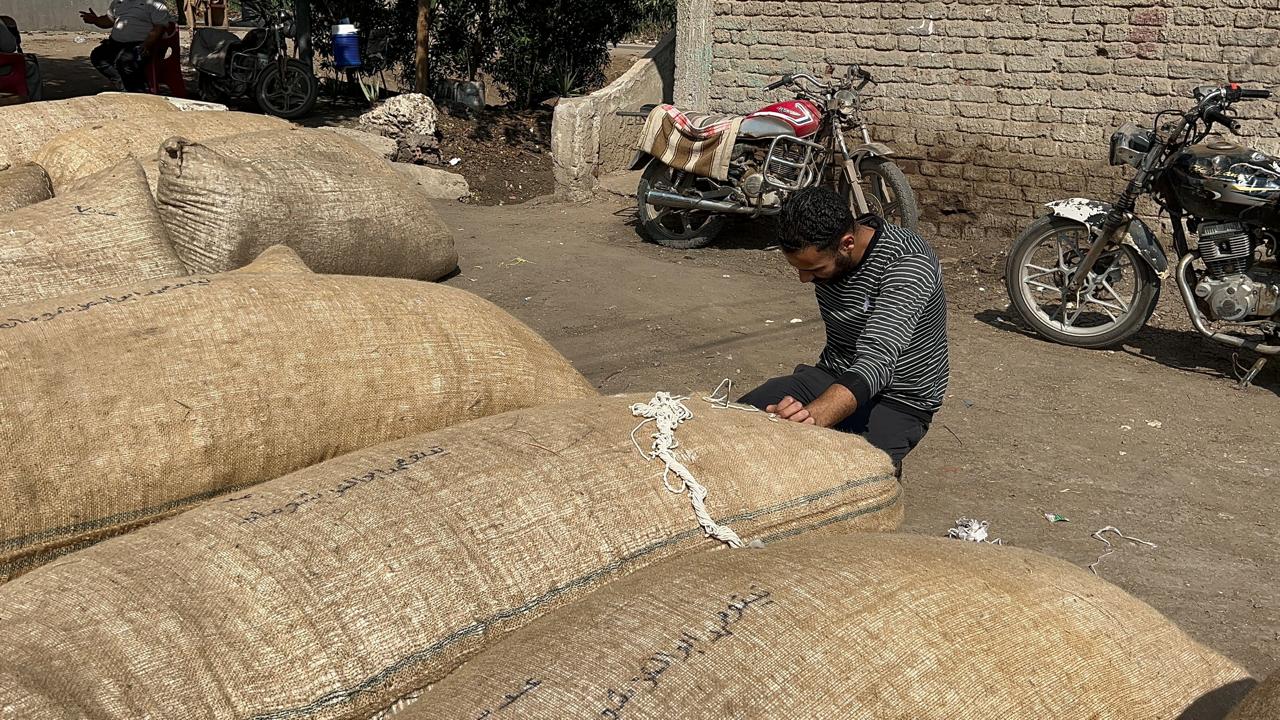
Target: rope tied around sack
(666,412)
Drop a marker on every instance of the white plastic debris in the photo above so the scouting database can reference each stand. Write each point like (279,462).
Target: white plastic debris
(971,530)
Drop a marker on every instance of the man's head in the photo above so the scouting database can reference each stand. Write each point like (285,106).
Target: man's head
(818,235)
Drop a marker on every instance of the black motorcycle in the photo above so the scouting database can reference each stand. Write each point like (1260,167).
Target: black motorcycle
(1089,273)
(258,67)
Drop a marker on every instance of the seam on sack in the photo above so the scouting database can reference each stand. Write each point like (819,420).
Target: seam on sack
(345,695)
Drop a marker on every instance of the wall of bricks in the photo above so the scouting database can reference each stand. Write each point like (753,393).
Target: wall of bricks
(997,107)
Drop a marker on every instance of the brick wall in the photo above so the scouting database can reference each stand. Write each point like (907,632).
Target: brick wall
(997,107)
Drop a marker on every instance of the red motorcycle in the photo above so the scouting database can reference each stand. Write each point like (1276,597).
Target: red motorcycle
(700,168)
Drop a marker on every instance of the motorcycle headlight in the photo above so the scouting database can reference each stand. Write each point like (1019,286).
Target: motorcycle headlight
(1130,144)
(846,100)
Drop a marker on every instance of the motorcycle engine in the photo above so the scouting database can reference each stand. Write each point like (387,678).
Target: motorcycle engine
(1233,288)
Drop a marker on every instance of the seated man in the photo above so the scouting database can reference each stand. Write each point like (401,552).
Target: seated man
(11,42)
(136,27)
(883,372)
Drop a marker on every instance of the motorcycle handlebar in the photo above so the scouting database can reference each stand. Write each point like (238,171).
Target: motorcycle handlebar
(1255,93)
(786,80)
(1227,121)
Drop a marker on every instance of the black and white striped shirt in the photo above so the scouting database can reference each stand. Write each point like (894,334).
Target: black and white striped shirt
(887,323)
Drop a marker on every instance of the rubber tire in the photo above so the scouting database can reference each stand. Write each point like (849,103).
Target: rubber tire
(1147,298)
(898,185)
(706,234)
(313,90)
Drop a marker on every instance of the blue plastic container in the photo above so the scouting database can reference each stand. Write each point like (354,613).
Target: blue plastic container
(346,46)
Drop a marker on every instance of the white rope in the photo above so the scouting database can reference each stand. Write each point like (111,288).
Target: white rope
(972,531)
(667,411)
(1093,567)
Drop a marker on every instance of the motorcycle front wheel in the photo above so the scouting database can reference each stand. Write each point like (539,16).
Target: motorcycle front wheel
(1114,303)
(290,94)
(674,227)
(887,192)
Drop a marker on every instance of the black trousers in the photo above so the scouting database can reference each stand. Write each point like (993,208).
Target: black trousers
(893,429)
(121,63)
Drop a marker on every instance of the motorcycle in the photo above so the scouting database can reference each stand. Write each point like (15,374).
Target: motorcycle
(778,149)
(1088,274)
(258,67)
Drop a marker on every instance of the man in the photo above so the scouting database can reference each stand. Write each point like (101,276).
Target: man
(136,27)
(883,372)
(11,42)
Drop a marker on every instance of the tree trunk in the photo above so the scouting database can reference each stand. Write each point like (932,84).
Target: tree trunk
(422,57)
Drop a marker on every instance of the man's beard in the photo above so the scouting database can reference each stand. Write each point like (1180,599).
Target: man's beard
(844,266)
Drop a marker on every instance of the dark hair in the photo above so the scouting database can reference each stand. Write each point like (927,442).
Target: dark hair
(815,216)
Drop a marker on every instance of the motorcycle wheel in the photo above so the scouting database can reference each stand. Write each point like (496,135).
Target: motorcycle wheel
(672,227)
(1115,303)
(289,95)
(887,191)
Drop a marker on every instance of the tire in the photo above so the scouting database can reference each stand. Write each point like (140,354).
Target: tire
(299,84)
(901,208)
(1141,305)
(678,229)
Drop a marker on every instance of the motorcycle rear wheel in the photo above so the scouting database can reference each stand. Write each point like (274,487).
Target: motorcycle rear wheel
(673,227)
(1116,302)
(289,96)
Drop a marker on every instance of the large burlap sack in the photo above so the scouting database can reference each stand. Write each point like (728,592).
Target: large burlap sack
(23,184)
(333,591)
(342,208)
(86,150)
(1262,703)
(860,627)
(99,234)
(123,406)
(27,127)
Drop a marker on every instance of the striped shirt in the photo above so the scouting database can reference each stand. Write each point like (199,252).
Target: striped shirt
(886,323)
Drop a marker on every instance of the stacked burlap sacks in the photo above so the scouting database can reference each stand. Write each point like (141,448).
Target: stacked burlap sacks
(126,405)
(27,127)
(333,591)
(864,627)
(343,208)
(91,148)
(100,233)
(23,184)
(1262,703)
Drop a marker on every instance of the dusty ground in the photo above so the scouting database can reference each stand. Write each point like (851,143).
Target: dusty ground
(1151,439)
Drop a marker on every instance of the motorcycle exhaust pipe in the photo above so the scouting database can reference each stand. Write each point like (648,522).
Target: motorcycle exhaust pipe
(683,202)
(1188,298)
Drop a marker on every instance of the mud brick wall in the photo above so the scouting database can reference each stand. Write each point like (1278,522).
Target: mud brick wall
(996,107)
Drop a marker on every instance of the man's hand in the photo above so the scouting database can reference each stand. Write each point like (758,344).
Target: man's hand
(89,17)
(788,408)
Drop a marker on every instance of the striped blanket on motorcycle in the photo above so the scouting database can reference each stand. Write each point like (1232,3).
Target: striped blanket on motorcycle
(699,143)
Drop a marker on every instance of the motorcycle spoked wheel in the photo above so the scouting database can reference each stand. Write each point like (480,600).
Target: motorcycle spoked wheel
(1115,303)
(289,95)
(887,191)
(673,227)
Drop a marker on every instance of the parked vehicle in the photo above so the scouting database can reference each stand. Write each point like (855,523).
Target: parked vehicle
(259,67)
(1088,274)
(778,149)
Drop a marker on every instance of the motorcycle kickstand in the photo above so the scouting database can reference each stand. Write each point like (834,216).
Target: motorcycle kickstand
(1253,373)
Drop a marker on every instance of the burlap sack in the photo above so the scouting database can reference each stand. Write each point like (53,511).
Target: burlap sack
(86,150)
(342,208)
(123,406)
(856,626)
(332,591)
(99,234)
(276,259)
(1262,703)
(27,127)
(23,184)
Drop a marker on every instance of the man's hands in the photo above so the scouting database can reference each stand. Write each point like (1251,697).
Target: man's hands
(827,410)
(92,18)
(789,408)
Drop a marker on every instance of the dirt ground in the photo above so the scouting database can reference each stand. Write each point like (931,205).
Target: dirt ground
(1151,439)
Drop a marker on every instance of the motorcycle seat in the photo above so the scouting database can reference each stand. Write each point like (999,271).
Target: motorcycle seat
(695,142)
(699,127)
(211,48)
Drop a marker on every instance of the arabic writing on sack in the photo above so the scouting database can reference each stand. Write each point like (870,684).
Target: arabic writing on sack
(686,647)
(13,322)
(510,698)
(340,490)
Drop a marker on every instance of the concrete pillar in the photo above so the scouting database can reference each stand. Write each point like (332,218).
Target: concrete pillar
(693,53)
